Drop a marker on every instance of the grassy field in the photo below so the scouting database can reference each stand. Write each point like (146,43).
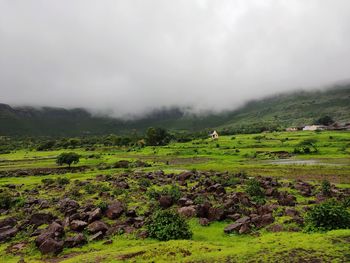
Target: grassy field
(266,154)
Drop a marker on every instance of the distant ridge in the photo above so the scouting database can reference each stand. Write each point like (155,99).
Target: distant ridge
(289,109)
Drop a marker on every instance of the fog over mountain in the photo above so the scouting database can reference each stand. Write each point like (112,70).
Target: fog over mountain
(128,57)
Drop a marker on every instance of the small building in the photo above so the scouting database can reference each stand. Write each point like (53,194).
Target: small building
(314,128)
(214,135)
(291,129)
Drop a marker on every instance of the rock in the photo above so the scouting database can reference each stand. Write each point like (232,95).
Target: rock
(75,241)
(78,225)
(6,234)
(185,175)
(96,236)
(291,212)
(115,210)
(304,188)
(204,221)
(187,211)
(243,220)
(244,229)
(264,220)
(94,215)
(216,213)
(97,226)
(108,242)
(165,201)
(68,206)
(39,219)
(51,246)
(234,217)
(286,199)
(203,210)
(53,231)
(9,221)
(142,234)
(232,227)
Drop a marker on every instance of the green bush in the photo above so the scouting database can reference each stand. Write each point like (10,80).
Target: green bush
(327,216)
(326,188)
(173,191)
(62,181)
(254,190)
(166,225)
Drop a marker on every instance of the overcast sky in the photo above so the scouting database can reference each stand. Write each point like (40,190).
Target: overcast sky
(130,56)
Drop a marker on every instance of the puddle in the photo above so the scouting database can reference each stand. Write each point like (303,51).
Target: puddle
(337,162)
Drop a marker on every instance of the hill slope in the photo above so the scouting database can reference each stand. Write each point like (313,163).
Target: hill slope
(298,108)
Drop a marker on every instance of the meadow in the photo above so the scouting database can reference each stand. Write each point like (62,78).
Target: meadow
(99,175)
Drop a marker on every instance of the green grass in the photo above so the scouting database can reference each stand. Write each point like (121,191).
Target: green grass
(209,244)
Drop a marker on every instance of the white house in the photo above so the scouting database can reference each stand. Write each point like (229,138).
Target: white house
(214,135)
(314,128)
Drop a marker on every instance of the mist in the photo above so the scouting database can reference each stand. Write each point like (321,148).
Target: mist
(125,58)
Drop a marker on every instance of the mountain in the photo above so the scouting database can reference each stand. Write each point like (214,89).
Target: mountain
(289,109)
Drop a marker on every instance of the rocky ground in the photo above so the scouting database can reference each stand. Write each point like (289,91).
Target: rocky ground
(62,213)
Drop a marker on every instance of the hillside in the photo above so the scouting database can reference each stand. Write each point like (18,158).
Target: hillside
(290,109)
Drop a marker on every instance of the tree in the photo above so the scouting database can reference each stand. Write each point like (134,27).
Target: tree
(325,120)
(157,136)
(67,158)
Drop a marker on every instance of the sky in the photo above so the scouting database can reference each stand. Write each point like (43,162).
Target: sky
(126,58)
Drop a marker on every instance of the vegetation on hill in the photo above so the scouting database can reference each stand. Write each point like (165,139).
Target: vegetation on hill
(272,113)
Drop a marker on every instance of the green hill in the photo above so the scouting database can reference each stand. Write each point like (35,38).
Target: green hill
(290,109)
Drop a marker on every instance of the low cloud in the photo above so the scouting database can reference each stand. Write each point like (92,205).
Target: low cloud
(126,58)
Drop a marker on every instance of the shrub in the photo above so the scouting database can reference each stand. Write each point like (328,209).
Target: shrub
(326,188)
(6,200)
(62,181)
(144,182)
(103,206)
(173,191)
(255,191)
(327,216)
(166,225)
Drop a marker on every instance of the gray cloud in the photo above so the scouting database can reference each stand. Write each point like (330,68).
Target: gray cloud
(128,57)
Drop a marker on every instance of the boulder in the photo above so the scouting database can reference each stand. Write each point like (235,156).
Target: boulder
(94,214)
(216,213)
(187,211)
(75,241)
(203,210)
(286,199)
(39,219)
(68,206)
(51,246)
(97,226)
(78,225)
(115,210)
(96,236)
(185,175)
(7,233)
(165,201)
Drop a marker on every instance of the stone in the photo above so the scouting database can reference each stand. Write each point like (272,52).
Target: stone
(75,241)
(185,176)
(165,201)
(97,226)
(94,215)
(96,236)
(115,210)
(187,211)
(204,221)
(39,219)
(51,246)
(78,225)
